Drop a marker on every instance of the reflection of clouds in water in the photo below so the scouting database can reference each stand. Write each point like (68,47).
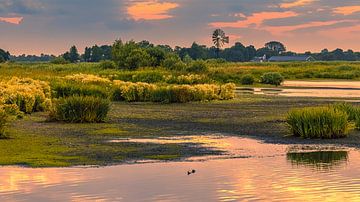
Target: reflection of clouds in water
(265,177)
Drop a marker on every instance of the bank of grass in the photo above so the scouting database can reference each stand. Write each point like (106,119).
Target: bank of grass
(35,142)
(216,73)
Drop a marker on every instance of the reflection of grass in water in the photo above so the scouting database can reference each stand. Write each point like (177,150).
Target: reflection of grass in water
(318,159)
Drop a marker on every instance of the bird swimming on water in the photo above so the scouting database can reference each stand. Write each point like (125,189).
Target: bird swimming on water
(191,172)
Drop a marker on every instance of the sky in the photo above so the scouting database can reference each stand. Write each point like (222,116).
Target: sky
(52,26)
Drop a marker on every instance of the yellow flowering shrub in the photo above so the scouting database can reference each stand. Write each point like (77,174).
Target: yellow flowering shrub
(132,92)
(144,92)
(88,78)
(227,91)
(27,94)
(3,122)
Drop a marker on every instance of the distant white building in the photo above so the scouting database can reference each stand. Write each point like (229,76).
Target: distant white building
(300,58)
(259,59)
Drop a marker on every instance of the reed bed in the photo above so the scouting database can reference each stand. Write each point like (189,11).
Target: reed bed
(319,122)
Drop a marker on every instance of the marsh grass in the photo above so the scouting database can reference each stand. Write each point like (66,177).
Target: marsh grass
(80,109)
(3,121)
(319,122)
(352,111)
(62,89)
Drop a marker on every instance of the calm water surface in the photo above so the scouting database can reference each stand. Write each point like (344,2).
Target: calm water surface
(250,171)
(321,89)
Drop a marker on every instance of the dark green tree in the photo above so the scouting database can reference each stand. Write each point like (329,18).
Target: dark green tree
(96,54)
(73,55)
(4,56)
(87,54)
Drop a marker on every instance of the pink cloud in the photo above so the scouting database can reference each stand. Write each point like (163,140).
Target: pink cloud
(280,30)
(256,19)
(12,20)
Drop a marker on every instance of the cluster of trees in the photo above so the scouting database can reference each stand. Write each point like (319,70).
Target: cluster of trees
(337,54)
(134,54)
(4,55)
(32,58)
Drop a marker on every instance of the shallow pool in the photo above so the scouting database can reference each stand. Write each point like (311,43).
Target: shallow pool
(249,170)
(320,89)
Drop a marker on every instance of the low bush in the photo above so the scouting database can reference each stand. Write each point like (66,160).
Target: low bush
(80,109)
(59,61)
(247,79)
(173,62)
(273,78)
(132,92)
(197,66)
(319,122)
(107,64)
(67,89)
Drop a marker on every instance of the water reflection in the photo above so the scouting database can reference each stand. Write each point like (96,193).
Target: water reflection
(321,89)
(319,159)
(264,177)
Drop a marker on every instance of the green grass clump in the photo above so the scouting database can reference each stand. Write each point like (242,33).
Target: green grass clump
(81,109)
(319,122)
(247,80)
(69,88)
(352,111)
(3,121)
(273,78)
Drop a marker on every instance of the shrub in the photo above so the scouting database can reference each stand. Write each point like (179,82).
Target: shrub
(144,92)
(247,79)
(26,94)
(132,92)
(319,122)
(173,62)
(227,91)
(67,89)
(273,78)
(80,109)
(59,61)
(198,66)
(3,122)
(107,64)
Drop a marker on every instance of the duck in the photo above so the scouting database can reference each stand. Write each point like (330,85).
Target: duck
(191,172)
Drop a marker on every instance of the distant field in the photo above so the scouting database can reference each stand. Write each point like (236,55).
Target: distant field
(217,73)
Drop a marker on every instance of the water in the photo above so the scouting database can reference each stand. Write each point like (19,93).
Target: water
(321,89)
(250,171)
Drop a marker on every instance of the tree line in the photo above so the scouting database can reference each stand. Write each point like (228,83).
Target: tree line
(149,54)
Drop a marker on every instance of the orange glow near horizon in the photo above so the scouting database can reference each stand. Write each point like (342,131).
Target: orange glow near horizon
(151,10)
(347,10)
(12,20)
